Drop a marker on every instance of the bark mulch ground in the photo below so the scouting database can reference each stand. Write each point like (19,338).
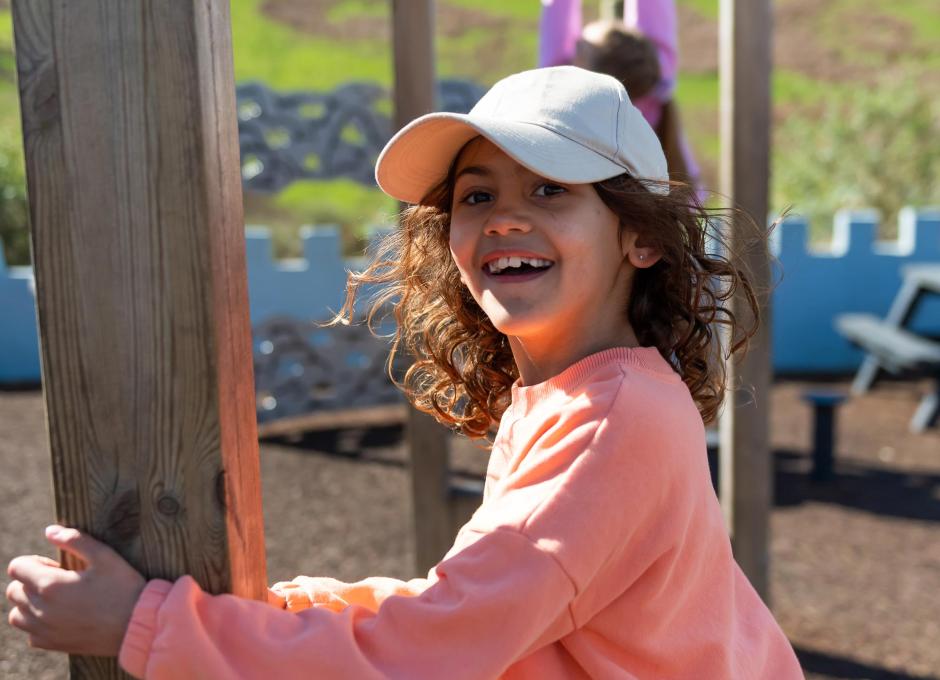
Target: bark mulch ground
(855,563)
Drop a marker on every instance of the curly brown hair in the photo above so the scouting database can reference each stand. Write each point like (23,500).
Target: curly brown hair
(461,368)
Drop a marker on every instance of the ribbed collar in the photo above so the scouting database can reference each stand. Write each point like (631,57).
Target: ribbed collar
(647,358)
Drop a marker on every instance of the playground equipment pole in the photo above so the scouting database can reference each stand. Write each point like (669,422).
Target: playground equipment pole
(428,442)
(133,172)
(746,477)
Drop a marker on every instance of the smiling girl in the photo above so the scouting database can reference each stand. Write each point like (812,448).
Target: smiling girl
(551,280)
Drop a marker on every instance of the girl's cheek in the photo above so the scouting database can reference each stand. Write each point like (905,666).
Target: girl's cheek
(457,259)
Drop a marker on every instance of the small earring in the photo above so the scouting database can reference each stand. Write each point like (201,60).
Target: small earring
(642,257)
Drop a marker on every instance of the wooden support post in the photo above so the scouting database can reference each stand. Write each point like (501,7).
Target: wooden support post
(746,471)
(428,442)
(132,160)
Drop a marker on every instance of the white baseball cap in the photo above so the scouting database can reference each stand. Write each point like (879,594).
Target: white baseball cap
(564,123)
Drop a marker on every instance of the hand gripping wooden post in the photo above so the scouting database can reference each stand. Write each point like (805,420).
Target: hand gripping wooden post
(134,183)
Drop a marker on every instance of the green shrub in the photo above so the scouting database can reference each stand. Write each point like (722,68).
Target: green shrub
(869,147)
(13,206)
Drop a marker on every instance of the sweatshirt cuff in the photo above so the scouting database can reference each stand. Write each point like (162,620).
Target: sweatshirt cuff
(142,628)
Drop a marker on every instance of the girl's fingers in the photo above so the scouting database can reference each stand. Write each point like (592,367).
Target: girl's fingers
(276,599)
(16,594)
(26,621)
(83,546)
(34,573)
(48,561)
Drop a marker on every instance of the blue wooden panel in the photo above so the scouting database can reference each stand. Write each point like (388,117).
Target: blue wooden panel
(19,336)
(855,274)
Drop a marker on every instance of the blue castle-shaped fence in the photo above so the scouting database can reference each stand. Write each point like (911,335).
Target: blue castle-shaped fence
(856,273)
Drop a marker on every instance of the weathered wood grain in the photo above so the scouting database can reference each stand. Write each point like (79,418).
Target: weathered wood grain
(428,442)
(746,481)
(130,133)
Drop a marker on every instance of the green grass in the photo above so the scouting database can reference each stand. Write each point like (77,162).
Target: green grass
(458,56)
(9,107)
(354,208)
(6,29)
(350,10)
(708,8)
(924,17)
(697,94)
(330,201)
(286,59)
(697,91)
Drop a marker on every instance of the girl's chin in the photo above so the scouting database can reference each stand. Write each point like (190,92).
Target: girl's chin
(518,325)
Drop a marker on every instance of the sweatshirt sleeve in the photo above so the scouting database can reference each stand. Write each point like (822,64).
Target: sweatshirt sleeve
(494,600)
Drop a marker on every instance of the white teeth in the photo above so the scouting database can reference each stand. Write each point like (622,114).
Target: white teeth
(499,264)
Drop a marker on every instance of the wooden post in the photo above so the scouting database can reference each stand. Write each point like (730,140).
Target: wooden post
(428,442)
(746,470)
(132,160)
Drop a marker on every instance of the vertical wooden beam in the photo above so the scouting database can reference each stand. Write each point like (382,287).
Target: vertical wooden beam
(413,46)
(746,480)
(130,132)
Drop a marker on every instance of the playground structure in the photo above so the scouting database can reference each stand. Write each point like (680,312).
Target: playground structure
(811,286)
(141,286)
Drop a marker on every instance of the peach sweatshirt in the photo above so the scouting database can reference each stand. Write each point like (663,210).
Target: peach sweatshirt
(599,552)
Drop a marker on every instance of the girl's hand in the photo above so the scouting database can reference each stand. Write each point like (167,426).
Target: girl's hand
(79,612)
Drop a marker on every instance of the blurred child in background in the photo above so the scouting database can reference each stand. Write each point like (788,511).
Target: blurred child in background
(640,51)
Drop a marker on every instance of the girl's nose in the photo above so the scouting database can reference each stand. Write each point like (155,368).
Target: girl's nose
(501,223)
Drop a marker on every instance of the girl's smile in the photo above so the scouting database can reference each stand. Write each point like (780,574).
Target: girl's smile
(510,266)
(545,261)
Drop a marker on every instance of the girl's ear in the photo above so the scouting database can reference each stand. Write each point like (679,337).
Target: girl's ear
(643,257)
(639,256)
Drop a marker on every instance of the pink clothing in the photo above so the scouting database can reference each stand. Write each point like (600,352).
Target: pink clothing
(599,551)
(560,27)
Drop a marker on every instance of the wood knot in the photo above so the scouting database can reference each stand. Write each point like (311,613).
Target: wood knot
(122,519)
(41,97)
(168,505)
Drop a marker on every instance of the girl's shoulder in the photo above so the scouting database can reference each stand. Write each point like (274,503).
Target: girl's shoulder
(630,377)
(641,394)
(622,386)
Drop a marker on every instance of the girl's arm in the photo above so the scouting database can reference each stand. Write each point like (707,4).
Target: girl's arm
(489,604)
(493,601)
(596,488)
(559,29)
(656,19)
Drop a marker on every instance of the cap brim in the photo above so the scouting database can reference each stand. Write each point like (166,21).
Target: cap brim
(420,154)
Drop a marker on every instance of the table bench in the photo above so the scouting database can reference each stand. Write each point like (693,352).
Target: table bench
(900,351)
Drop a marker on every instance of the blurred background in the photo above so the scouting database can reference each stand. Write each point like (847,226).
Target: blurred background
(855,557)
(856,92)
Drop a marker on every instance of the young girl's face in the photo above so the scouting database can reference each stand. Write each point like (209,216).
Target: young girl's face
(542,259)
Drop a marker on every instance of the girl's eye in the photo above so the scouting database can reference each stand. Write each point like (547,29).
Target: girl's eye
(550,190)
(475,197)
